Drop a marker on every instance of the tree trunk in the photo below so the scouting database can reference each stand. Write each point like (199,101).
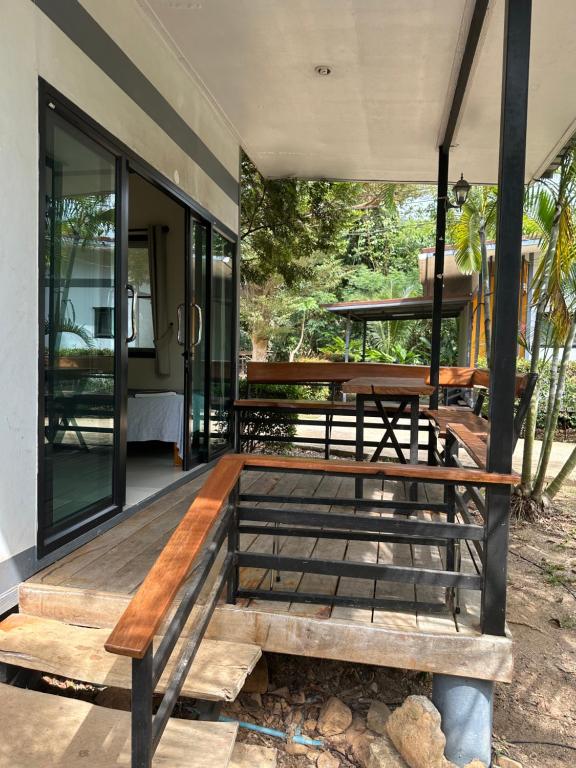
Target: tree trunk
(259,348)
(486,293)
(548,440)
(530,430)
(294,352)
(565,472)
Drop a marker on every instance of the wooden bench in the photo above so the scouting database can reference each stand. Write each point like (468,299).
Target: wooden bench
(315,374)
(473,425)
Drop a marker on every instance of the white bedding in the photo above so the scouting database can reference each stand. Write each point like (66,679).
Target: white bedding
(156,418)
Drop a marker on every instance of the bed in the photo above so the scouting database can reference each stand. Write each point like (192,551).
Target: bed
(156,416)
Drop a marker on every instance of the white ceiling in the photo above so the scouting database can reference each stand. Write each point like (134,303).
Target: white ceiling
(381,113)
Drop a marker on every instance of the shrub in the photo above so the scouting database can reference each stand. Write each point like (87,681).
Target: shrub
(274,424)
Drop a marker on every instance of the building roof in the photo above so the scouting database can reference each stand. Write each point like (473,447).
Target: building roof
(382,111)
(410,308)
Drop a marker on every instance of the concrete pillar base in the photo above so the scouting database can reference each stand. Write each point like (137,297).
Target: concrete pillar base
(465,705)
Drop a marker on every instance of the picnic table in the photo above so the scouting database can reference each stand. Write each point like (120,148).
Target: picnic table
(385,392)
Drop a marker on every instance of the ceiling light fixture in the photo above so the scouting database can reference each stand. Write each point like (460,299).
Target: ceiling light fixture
(460,190)
(323,70)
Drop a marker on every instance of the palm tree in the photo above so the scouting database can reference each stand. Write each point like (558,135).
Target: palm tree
(469,233)
(550,217)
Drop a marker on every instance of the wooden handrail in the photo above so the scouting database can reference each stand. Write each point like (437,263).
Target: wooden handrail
(143,617)
(391,470)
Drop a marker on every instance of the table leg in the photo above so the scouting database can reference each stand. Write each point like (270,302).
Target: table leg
(414,435)
(359,483)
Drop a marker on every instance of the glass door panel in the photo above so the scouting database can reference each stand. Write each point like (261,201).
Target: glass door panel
(221,342)
(79,285)
(195,342)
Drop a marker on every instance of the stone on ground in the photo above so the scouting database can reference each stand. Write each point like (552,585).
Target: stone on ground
(326,760)
(507,762)
(335,717)
(414,729)
(382,754)
(476,764)
(377,718)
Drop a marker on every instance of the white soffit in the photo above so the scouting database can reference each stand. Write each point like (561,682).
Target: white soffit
(381,112)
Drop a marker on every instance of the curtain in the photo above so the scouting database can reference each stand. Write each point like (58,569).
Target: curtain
(163,328)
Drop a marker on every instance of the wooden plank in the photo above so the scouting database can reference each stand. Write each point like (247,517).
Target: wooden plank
(418,472)
(218,671)
(474,443)
(387,386)
(325,373)
(143,617)
(62,570)
(57,731)
(395,554)
(486,657)
(359,552)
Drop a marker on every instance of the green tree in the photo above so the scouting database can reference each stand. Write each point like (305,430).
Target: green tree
(550,216)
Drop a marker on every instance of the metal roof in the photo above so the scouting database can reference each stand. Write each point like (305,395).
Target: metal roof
(411,308)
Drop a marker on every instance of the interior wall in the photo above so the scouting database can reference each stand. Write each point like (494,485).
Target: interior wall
(150,206)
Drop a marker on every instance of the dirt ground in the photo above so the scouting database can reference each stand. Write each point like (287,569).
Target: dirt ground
(539,706)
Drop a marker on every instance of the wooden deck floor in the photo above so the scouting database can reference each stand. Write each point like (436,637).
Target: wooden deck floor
(93,585)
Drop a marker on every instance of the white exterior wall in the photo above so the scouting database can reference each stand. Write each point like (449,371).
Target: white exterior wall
(32,46)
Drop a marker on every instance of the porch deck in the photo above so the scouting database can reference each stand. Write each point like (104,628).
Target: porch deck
(94,584)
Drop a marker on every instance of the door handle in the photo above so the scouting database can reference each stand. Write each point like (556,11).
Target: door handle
(134,292)
(179,335)
(198,308)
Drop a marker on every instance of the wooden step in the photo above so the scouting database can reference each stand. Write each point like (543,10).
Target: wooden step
(218,672)
(55,732)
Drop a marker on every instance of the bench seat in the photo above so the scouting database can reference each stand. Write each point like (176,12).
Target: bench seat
(442,417)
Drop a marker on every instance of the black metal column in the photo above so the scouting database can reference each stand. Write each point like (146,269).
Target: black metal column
(506,296)
(443,158)
(364,341)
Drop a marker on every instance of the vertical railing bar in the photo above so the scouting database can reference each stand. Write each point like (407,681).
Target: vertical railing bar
(184,662)
(233,545)
(199,575)
(142,693)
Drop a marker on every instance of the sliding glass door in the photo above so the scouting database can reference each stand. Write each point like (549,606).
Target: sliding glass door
(221,342)
(194,338)
(78,281)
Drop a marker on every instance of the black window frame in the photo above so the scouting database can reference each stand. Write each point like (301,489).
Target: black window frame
(140,238)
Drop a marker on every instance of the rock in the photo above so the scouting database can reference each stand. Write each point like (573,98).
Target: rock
(282,693)
(506,762)
(377,718)
(257,680)
(292,748)
(361,747)
(478,764)
(414,729)
(310,725)
(114,698)
(335,717)
(381,754)
(299,697)
(254,698)
(326,760)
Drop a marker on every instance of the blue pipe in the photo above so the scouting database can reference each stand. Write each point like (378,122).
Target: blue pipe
(297,738)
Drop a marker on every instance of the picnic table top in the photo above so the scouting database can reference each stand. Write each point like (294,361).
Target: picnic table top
(389,385)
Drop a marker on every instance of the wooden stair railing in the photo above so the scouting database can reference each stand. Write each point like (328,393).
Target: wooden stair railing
(194,551)
(189,556)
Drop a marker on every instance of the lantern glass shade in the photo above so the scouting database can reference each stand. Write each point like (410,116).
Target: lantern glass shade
(461,190)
